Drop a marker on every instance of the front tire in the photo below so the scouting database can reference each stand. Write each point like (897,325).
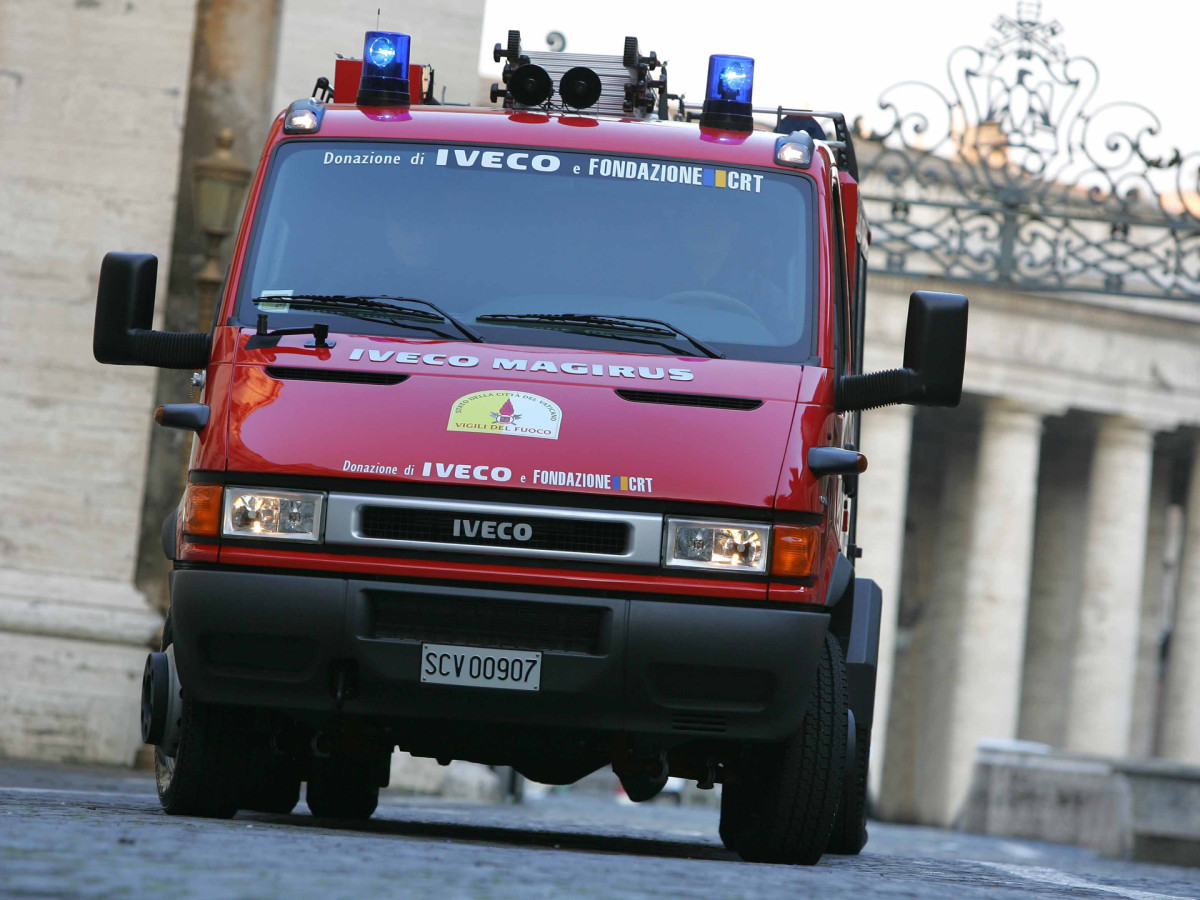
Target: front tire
(790,809)
(203,777)
(850,827)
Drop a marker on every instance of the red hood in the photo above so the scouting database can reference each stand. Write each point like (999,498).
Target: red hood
(521,417)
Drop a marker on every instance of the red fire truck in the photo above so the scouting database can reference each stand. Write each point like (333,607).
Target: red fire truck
(527,436)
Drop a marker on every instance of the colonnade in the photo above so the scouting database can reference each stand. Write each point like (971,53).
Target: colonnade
(1024,555)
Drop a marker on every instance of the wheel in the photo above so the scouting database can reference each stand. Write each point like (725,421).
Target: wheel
(791,807)
(202,778)
(733,817)
(270,780)
(850,826)
(271,786)
(340,788)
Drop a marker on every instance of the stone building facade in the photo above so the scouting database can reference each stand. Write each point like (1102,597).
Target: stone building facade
(1034,544)
(1039,546)
(106,104)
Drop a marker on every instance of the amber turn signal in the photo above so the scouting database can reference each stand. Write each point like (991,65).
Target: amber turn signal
(202,510)
(794,550)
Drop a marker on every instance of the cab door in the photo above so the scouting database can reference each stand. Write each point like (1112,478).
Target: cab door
(847,361)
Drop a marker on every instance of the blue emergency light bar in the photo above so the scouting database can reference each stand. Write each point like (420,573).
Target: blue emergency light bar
(384,70)
(727,99)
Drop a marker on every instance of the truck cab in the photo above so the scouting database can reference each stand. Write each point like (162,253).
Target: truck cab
(528,436)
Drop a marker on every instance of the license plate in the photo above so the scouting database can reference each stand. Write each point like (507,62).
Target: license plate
(512,670)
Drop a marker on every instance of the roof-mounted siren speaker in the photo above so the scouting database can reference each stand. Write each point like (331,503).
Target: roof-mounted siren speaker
(727,97)
(609,85)
(384,70)
(580,88)
(530,85)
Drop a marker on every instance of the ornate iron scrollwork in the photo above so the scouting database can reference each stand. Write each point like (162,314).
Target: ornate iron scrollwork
(1015,177)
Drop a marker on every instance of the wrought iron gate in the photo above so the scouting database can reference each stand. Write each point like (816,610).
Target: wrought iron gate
(1015,177)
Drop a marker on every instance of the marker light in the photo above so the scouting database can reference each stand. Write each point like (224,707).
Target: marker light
(728,546)
(289,515)
(303,117)
(795,550)
(202,510)
(795,150)
(530,85)
(727,100)
(384,70)
(579,87)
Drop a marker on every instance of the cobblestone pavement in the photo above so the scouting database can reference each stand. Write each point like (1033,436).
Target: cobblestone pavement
(78,832)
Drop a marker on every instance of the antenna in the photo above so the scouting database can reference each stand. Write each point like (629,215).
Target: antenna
(377,11)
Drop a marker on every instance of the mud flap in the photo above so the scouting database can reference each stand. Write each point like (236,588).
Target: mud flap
(862,650)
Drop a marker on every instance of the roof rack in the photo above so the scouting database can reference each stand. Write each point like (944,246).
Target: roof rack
(623,86)
(843,145)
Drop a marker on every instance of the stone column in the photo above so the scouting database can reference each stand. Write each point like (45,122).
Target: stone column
(230,86)
(883,499)
(1104,662)
(1057,573)
(1180,727)
(941,480)
(1159,535)
(976,663)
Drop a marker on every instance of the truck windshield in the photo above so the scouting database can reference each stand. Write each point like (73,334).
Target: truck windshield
(489,234)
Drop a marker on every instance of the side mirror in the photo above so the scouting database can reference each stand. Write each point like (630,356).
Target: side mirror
(122,335)
(935,351)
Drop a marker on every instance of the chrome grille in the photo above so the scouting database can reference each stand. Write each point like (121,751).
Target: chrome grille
(494,528)
(437,526)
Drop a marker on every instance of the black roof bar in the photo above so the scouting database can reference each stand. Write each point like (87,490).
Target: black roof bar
(843,146)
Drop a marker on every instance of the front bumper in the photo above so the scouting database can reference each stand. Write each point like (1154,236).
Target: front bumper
(285,642)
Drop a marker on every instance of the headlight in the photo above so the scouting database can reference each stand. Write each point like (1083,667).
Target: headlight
(728,546)
(284,515)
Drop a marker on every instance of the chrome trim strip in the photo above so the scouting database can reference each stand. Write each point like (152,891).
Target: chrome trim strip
(343,525)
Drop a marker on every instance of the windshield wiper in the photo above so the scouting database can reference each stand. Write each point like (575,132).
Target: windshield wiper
(379,303)
(626,327)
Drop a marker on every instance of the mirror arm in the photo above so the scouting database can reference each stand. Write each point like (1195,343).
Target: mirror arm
(171,349)
(856,392)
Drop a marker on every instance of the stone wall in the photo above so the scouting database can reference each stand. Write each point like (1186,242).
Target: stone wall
(1146,810)
(445,34)
(88,163)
